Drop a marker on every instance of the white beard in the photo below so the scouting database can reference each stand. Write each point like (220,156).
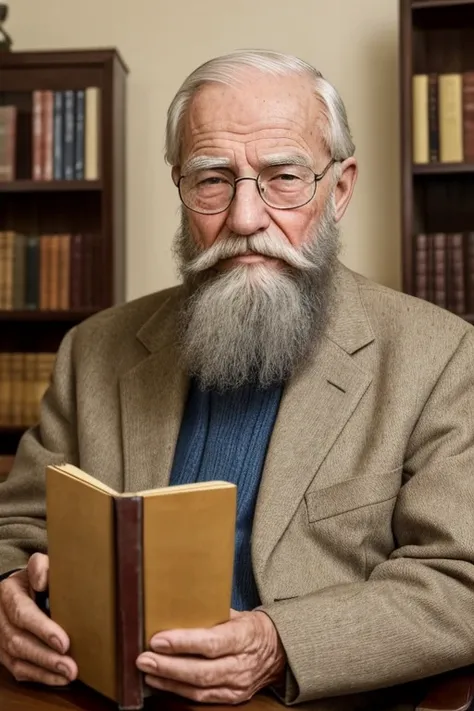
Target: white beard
(254,323)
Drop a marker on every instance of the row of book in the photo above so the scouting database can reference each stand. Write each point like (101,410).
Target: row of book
(65,128)
(24,378)
(50,272)
(443,118)
(444,270)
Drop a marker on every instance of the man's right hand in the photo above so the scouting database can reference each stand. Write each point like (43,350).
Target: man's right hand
(32,646)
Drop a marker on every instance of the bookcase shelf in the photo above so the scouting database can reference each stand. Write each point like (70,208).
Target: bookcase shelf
(52,186)
(429,4)
(436,45)
(62,214)
(67,315)
(442,168)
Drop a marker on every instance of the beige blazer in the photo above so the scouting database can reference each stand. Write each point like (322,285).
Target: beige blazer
(363,538)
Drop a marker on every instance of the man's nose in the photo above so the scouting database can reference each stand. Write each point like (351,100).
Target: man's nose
(247,213)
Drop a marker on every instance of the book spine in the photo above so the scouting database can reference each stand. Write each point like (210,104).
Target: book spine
(420,119)
(48,134)
(456,286)
(130,625)
(37,125)
(421,267)
(69,136)
(440,269)
(32,293)
(58,137)
(79,128)
(450,118)
(433,117)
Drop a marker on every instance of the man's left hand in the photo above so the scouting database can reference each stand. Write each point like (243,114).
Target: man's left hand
(224,664)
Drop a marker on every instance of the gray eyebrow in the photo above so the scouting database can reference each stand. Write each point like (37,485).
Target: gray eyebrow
(205,162)
(286,159)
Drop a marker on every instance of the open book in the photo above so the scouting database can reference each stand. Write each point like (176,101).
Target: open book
(125,566)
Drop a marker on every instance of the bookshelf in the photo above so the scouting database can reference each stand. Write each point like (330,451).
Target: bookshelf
(436,43)
(62,212)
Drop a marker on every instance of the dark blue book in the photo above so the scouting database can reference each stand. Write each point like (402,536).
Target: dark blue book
(58,135)
(69,134)
(79,138)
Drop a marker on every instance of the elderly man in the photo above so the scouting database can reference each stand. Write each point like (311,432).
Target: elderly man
(341,409)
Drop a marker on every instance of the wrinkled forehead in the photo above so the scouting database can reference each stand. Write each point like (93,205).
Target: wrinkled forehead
(257,106)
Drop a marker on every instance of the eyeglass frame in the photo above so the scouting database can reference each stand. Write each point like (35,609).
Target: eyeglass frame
(317,178)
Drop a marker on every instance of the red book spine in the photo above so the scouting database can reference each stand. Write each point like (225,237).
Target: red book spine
(129,557)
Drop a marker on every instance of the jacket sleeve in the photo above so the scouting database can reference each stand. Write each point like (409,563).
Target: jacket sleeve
(54,440)
(414,616)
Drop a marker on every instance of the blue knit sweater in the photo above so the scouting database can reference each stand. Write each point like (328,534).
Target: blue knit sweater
(225,436)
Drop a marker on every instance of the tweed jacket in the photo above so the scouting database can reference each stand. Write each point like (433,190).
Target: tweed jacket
(363,536)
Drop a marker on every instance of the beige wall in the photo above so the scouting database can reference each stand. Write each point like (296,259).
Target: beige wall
(353,42)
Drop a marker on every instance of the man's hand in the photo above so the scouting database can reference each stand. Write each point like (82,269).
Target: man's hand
(32,647)
(225,664)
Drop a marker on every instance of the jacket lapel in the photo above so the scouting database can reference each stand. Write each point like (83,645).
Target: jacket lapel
(315,406)
(152,398)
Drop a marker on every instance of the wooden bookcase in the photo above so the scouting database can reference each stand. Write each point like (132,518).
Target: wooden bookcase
(436,38)
(54,205)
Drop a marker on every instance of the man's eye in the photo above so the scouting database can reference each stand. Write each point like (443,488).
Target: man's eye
(288,177)
(214,180)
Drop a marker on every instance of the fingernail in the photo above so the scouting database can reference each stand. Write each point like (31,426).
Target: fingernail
(55,642)
(147,663)
(160,645)
(63,670)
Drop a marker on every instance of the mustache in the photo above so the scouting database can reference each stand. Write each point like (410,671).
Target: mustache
(236,246)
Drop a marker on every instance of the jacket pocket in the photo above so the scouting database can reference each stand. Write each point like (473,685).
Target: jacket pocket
(363,490)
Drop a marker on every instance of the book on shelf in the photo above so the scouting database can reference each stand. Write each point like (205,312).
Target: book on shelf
(443,118)
(8,119)
(65,131)
(24,378)
(124,566)
(49,272)
(444,270)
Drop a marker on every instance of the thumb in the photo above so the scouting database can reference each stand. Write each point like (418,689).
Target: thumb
(38,568)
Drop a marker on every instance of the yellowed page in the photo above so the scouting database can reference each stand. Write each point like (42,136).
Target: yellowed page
(188,543)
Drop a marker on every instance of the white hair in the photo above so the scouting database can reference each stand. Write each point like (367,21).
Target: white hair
(226,69)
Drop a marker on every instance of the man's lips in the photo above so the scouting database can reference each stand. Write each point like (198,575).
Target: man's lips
(248,258)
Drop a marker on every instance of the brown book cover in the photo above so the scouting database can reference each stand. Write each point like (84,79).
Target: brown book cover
(3,269)
(64,285)
(17,389)
(45,252)
(149,561)
(422,281)
(54,276)
(8,256)
(456,285)
(440,295)
(8,122)
(19,272)
(5,388)
(76,270)
(47,136)
(468,115)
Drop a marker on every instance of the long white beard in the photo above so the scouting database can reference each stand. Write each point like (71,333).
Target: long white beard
(254,323)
